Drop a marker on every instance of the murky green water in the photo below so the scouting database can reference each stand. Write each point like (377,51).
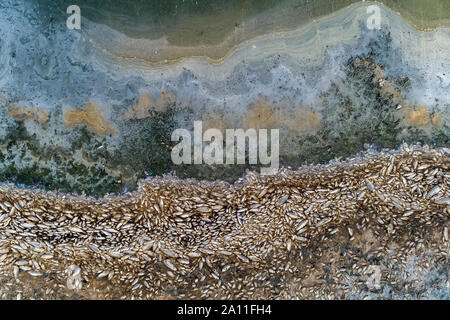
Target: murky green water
(196,22)
(423,14)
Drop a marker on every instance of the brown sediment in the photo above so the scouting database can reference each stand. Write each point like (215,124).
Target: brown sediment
(297,234)
(417,116)
(140,109)
(147,104)
(436,119)
(216,120)
(304,120)
(42,116)
(91,117)
(388,88)
(261,114)
(20,112)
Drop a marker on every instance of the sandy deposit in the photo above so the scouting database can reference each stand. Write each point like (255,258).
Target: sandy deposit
(91,117)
